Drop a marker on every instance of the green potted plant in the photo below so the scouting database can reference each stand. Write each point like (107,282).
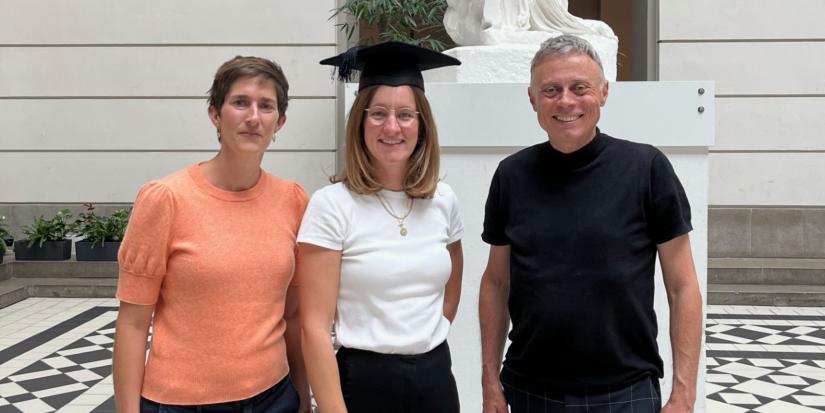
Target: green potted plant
(101,234)
(417,22)
(46,239)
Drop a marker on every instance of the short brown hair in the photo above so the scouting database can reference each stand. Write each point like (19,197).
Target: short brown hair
(422,174)
(248,66)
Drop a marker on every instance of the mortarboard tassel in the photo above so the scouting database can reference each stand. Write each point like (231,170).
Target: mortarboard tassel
(347,63)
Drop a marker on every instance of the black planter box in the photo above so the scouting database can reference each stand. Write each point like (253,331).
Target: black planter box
(105,252)
(9,242)
(50,251)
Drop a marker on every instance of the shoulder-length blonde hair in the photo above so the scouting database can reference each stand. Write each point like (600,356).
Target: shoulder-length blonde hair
(422,173)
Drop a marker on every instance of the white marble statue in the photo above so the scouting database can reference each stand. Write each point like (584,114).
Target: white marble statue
(488,22)
(499,37)
(552,16)
(462,20)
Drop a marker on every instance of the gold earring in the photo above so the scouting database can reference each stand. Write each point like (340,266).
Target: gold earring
(273,136)
(219,134)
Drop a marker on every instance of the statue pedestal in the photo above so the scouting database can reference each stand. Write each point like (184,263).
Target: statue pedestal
(502,63)
(510,62)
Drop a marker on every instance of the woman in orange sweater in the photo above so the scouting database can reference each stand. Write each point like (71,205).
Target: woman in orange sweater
(208,259)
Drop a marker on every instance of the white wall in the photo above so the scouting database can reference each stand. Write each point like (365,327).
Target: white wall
(741,19)
(98,97)
(189,22)
(767,60)
(770,123)
(78,177)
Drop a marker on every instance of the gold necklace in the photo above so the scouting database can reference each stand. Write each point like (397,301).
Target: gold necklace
(388,208)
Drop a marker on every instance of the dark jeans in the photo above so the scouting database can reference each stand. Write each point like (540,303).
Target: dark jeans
(642,396)
(280,398)
(382,383)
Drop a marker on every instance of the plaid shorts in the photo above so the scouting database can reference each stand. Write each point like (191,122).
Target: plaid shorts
(640,397)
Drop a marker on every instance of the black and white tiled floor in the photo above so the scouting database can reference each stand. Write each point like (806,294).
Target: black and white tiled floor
(765,359)
(55,356)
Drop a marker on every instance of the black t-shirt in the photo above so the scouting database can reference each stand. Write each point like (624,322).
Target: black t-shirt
(583,229)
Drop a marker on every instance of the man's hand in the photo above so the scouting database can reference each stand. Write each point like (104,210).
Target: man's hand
(494,401)
(674,406)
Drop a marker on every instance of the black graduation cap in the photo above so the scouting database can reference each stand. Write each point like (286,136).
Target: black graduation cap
(389,63)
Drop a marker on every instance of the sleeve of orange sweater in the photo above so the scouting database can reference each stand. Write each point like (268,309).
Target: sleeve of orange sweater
(145,247)
(301,201)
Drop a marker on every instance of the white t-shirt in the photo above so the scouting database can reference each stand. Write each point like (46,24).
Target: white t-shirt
(391,290)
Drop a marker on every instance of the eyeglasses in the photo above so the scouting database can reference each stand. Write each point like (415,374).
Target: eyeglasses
(379,114)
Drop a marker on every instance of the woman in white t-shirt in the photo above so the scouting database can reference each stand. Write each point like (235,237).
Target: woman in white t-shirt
(380,258)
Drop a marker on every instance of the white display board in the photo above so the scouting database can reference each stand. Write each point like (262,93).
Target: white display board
(499,115)
(481,124)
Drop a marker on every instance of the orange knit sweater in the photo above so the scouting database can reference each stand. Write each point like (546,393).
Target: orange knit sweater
(216,265)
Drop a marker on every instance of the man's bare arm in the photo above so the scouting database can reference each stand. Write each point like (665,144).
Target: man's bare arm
(685,321)
(494,319)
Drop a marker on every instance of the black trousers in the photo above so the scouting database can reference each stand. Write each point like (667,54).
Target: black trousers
(381,383)
(280,398)
(640,397)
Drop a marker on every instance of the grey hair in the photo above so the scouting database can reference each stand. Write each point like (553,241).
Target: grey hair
(565,44)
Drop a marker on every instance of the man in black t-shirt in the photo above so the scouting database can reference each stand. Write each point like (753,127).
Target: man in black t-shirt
(574,227)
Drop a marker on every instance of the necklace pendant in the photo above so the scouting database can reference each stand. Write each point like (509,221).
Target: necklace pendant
(387,207)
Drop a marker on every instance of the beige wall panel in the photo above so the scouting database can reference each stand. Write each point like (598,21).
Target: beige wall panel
(166,22)
(146,124)
(115,177)
(796,179)
(772,123)
(747,68)
(148,71)
(741,19)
